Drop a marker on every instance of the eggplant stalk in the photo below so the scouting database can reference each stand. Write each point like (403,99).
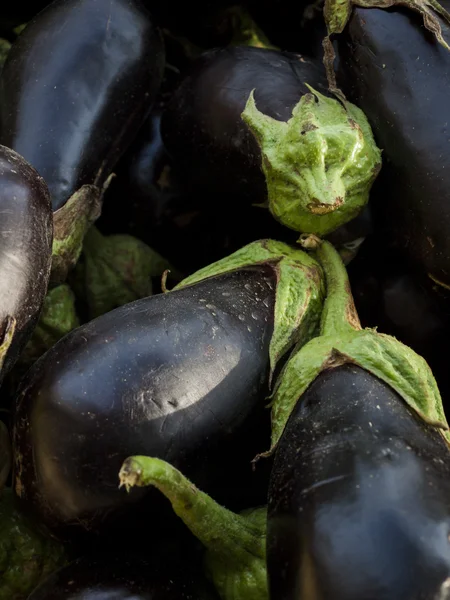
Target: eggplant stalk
(235,544)
(343,341)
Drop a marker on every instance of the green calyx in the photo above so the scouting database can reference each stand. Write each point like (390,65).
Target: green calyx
(116,270)
(58,317)
(70,224)
(319,166)
(298,295)
(235,544)
(341,341)
(26,556)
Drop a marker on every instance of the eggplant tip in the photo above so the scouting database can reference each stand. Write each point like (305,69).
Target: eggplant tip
(129,475)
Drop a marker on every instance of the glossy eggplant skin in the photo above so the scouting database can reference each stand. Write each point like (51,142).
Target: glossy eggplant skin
(181,377)
(359,497)
(26,231)
(395,71)
(76,87)
(124,577)
(202,126)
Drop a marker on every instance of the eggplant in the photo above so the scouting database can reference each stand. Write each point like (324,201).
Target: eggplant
(246,127)
(124,577)
(359,497)
(360,472)
(27,554)
(76,86)
(235,543)
(182,376)
(398,73)
(25,253)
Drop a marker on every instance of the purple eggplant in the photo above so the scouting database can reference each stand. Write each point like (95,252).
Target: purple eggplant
(359,492)
(247,126)
(76,86)
(395,65)
(359,497)
(26,230)
(182,376)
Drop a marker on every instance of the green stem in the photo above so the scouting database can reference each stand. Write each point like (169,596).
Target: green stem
(339,313)
(221,531)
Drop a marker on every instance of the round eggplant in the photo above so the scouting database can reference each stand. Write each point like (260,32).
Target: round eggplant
(359,497)
(246,127)
(25,253)
(182,376)
(121,577)
(76,86)
(399,75)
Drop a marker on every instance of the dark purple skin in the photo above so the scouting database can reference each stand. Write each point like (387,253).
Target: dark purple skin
(125,577)
(202,126)
(359,497)
(399,75)
(76,86)
(182,377)
(26,230)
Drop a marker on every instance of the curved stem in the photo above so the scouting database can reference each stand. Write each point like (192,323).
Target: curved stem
(221,531)
(339,313)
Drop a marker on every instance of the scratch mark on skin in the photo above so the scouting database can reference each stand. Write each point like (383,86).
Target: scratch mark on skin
(323,482)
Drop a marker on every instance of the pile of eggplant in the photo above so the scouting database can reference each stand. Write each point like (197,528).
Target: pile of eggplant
(224,300)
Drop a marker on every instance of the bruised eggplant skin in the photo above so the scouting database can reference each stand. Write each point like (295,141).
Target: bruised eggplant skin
(76,86)
(121,577)
(182,377)
(399,75)
(26,231)
(202,126)
(359,497)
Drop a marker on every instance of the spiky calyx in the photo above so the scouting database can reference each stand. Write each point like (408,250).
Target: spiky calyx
(342,340)
(298,292)
(320,165)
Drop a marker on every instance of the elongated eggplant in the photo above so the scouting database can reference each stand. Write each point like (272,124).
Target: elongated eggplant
(25,252)
(180,376)
(76,86)
(247,127)
(361,464)
(235,544)
(399,75)
(359,497)
(124,577)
